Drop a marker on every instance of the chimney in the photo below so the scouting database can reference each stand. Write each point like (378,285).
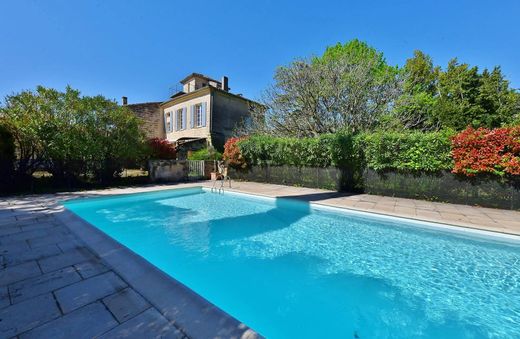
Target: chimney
(124,101)
(224,83)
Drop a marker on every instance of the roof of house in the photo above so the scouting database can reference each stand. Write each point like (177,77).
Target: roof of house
(143,104)
(197,75)
(178,94)
(204,91)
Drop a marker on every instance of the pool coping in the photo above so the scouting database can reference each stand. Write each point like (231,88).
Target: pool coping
(463,226)
(191,313)
(459,228)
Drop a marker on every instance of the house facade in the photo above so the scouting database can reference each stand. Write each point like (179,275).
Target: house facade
(203,114)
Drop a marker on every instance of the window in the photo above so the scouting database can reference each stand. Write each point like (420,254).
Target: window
(168,122)
(180,120)
(198,115)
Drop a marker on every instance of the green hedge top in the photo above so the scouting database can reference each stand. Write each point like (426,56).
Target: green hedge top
(416,151)
(379,151)
(323,151)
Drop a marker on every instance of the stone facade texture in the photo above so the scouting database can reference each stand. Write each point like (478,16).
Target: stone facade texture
(150,113)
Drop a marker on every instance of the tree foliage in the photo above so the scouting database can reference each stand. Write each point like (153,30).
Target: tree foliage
(456,97)
(483,150)
(415,107)
(323,151)
(232,155)
(7,156)
(205,154)
(407,151)
(348,88)
(161,149)
(69,134)
(352,88)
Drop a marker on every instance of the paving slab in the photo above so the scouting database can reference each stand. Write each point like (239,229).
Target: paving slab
(24,235)
(7,220)
(39,225)
(4,297)
(31,254)
(125,304)
(14,247)
(50,239)
(20,272)
(26,315)
(65,259)
(7,230)
(70,245)
(91,268)
(43,284)
(149,324)
(86,291)
(87,322)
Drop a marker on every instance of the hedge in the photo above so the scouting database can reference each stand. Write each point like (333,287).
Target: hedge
(205,154)
(469,152)
(323,151)
(480,151)
(378,151)
(409,151)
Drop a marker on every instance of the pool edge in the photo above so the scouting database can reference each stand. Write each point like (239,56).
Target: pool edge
(460,228)
(190,312)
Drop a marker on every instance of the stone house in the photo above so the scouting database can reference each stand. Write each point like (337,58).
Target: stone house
(204,113)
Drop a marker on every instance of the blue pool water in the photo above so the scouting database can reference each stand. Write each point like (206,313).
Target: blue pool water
(290,270)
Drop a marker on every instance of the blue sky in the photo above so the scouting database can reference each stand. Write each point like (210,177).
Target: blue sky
(141,49)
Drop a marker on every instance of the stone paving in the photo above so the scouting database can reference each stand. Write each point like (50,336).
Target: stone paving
(53,284)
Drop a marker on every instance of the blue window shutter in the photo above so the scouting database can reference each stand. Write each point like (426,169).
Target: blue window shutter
(183,118)
(204,114)
(166,122)
(174,120)
(192,116)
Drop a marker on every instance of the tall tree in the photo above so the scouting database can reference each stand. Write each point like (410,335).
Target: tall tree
(415,108)
(499,102)
(349,87)
(458,96)
(70,134)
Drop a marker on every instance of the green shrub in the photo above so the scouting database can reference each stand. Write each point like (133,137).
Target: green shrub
(205,154)
(414,151)
(323,151)
(7,157)
(410,151)
(70,135)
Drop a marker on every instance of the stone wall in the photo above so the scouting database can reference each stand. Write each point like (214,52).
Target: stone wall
(210,166)
(228,110)
(153,122)
(168,170)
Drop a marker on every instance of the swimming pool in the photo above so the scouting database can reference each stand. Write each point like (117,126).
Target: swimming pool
(289,269)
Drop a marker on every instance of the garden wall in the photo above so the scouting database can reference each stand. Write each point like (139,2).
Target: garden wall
(167,170)
(314,177)
(444,187)
(440,186)
(177,170)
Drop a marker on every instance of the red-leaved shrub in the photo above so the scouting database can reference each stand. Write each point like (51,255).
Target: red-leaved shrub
(161,149)
(482,150)
(232,154)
